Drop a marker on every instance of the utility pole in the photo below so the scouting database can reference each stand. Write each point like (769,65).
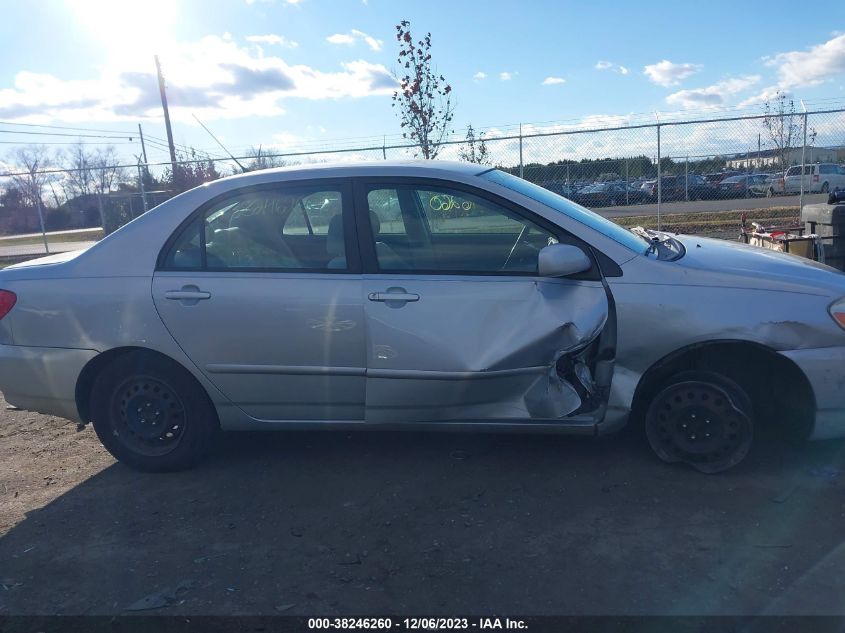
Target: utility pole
(144,153)
(163,94)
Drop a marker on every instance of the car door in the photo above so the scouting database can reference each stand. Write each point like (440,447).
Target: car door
(262,290)
(459,325)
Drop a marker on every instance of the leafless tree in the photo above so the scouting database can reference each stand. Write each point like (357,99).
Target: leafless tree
(784,127)
(260,158)
(34,160)
(79,163)
(474,149)
(423,99)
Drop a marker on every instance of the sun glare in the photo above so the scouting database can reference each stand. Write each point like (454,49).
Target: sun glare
(129,29)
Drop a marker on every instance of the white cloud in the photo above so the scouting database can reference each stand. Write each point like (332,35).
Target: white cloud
(812,67)
(212,77)
(617,68)
(506,76)
(666,73)
(479,76)
(273,40)
(353,36)
(551,81)
(712,96)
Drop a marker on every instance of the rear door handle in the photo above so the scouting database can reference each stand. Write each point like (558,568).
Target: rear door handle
(187,293)
(393,296)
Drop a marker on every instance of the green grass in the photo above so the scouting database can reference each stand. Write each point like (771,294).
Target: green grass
(80,236)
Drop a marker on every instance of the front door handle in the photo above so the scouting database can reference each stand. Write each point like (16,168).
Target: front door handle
(394,295)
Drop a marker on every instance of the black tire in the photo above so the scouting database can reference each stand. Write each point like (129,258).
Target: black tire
(770,193)
(151,414)
(825,188)
(702,419)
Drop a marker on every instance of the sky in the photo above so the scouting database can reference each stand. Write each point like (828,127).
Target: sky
(298,74)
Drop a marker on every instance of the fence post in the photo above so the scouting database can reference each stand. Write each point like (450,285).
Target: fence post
(41,221)
(627,199)
(803,161)
(102,211)
(521,166)
(141,186)
(659,184)
(384,147)
(686,179)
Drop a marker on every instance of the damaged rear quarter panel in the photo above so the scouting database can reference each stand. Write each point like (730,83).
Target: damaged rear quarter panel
(478,348)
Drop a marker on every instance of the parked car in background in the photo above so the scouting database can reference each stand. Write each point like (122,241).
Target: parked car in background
(739,186)
(692,187)
(717,177)
(428,295)
(765,185)
(818,178)
(604,194)
(562,189)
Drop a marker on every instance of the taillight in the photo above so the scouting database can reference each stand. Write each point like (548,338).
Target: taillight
(815,177)
(7,302)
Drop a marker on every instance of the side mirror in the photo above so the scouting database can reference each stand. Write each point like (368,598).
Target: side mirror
(562,260)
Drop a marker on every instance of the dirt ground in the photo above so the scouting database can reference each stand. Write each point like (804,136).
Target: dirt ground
(411,523)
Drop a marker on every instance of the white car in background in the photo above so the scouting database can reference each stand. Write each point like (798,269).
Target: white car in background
(819,178)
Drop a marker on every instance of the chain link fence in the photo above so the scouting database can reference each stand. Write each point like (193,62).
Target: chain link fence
(691,176)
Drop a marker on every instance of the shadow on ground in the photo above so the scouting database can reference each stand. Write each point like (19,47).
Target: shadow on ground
(417,523)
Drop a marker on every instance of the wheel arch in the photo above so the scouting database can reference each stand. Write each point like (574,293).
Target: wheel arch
(778,388)
(89,373)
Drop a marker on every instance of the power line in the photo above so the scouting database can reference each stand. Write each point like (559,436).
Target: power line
(60,127)
(65,143)
(129,138)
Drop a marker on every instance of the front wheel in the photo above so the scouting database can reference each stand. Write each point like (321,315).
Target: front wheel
(151,414)
(702,419)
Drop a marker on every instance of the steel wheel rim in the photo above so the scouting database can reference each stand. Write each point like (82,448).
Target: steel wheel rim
(148,416)
(698,423)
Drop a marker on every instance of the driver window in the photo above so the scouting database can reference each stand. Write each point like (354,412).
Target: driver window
(466,234)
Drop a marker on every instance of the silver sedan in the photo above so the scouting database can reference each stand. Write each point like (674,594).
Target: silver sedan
(419,295)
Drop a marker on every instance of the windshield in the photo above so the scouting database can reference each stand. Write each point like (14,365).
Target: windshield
(568,208)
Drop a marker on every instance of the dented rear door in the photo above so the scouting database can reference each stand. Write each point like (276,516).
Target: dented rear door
(454,331)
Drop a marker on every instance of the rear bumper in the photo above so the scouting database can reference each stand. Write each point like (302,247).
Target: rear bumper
(825,370)
(42,379)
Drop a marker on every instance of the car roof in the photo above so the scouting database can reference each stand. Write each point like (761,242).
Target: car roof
(363,168)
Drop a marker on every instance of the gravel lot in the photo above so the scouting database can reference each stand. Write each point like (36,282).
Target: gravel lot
(411,523)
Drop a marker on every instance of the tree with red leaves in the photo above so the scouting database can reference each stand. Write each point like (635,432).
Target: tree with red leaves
(424,97)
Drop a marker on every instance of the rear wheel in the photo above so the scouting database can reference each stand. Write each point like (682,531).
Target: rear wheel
(825,188)
(151,414)
(702,419)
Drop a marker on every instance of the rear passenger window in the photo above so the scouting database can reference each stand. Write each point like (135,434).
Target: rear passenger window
(186,253)
(270,229)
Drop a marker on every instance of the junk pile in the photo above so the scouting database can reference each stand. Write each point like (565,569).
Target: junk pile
(820,236)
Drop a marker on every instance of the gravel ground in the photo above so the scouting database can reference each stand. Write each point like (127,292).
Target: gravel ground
(413,523)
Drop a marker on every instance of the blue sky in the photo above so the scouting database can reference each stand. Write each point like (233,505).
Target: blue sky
(292,74)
